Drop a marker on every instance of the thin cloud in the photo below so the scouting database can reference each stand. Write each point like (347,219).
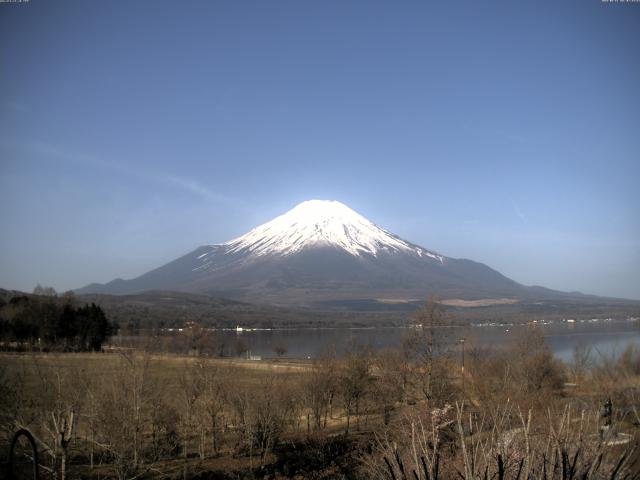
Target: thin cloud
(53,152)
(194,187)
(519,213)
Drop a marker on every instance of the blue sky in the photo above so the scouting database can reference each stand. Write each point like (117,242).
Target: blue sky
(505,132)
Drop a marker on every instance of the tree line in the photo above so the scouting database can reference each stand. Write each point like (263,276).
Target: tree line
(47,321)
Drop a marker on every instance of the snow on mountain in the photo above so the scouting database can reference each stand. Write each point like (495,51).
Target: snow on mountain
(321,223)
(319,251)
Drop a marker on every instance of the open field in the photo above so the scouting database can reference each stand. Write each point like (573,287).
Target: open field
(484,302)
(135,414)
(40,380)
(166,368)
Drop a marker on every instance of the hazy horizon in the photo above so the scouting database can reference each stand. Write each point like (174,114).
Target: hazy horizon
(132,133)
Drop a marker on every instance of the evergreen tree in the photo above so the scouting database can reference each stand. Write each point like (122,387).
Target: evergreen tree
(54,322)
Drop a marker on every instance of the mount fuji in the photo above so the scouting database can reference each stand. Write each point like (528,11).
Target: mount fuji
(321,251)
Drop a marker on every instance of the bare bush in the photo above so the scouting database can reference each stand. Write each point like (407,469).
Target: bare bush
(509,446)
(525,373)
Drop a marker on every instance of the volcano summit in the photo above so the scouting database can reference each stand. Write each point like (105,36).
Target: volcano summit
(320,251)
(317,223)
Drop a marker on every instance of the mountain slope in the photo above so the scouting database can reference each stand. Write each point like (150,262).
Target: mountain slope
(319,251)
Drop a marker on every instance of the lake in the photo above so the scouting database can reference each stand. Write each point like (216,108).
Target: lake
(606,337)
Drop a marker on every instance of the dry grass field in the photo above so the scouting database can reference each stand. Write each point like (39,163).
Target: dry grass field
(136,414)
(166,368)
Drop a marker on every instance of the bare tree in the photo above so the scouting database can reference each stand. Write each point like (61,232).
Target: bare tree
(535,367)
(124,411)
(280,350)
(428,343)
(319,386)
(215,383)
(582,360)
(191,386)
(56,408)
(354,383)
(44,291)
(11,399)
(390,371)
(241,347)
(263,413)
(201,340)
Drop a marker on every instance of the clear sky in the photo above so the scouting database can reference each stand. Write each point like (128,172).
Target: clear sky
(505,132)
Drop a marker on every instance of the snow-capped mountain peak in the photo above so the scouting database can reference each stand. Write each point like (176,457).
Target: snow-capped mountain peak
(322,223)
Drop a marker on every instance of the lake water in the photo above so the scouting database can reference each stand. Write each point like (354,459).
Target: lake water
(607,338)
